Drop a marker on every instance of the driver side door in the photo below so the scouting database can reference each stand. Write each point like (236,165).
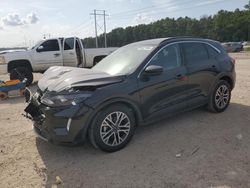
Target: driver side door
(165,93)
(47,54)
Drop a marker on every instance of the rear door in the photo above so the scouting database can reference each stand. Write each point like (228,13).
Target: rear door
(202,69)
(47,54)
(165,93)
(69,52)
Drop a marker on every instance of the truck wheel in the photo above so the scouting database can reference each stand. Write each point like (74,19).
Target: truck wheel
(3,95)
(20,73)
(98,59)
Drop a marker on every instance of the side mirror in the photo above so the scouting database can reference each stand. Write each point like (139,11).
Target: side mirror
(153,70)
(40,49)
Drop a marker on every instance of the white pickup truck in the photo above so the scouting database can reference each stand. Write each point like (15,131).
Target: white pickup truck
(51,52)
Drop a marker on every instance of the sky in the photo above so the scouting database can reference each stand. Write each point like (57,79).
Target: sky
(24,22)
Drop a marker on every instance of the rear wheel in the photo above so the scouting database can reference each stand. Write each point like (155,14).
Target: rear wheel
(3,95)
(112,128)
(220,98)
(20,73)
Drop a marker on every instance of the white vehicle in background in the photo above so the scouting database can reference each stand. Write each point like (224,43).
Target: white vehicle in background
(51,52)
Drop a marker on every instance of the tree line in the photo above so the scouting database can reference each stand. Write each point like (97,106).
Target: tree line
(224,26)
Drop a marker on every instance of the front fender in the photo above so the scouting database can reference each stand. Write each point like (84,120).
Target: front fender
(109,102)
(16,56)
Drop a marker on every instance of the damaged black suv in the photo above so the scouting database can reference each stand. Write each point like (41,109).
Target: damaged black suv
(137,84)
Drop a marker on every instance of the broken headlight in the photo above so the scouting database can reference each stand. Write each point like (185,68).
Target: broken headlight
(64,99)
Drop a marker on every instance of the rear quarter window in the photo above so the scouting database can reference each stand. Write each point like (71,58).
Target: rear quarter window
(211,52)
(69,44)
(195,53)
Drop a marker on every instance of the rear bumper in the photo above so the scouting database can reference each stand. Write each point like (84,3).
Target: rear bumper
(233,76)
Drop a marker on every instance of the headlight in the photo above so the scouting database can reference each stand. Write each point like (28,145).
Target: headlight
(2,60)
(64,99)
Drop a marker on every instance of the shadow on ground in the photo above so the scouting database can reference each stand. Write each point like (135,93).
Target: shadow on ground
(193,149)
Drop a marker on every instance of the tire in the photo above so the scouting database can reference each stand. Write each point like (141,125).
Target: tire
(20,73)
(220,97)
(106,135)
(98,59)
(3,95)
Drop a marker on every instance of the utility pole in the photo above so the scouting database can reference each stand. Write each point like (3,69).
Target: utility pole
(96,37)
(100,27)
(105,32)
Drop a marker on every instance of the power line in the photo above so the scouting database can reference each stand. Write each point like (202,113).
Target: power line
(161,5)
(86,22)
(159,13)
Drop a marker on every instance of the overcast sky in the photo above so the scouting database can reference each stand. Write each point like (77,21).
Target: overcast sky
(26,21)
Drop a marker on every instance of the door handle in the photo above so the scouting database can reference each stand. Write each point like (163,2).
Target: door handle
(181,77)
(57,54)
(178,75)
(213,66)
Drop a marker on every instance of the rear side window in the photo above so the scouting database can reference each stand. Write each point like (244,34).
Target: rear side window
(195,53)
(69,44)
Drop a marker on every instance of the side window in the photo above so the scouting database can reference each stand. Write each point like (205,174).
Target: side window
(169,57)
(49,45)
(212,52)
(195,53)
(69,44)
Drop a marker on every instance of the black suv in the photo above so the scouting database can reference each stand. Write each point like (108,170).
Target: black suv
(137,84)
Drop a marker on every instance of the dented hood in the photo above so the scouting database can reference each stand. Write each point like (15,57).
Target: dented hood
(60,78)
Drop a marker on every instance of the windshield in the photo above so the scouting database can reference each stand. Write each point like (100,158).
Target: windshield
(32,47)
(125,60)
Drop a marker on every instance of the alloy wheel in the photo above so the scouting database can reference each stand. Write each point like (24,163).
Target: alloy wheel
(222,97)
(115,128)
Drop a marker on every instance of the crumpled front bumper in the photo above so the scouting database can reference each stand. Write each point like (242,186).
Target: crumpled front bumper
(58,125)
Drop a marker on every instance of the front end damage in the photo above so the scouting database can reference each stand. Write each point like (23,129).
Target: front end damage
(60,109)
(57,124)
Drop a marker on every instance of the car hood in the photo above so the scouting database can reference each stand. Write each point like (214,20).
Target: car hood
(60,78)
(11,51)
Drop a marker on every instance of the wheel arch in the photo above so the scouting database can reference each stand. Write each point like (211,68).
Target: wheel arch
(98,58)
(122,101)
(19,63)
(223,76)
(229,80)
(128,103)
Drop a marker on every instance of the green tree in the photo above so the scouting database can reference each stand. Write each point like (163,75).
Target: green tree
(223,26)
(247,6)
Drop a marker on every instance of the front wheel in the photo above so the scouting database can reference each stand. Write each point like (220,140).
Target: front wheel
(220,98)
(113,128)
(20,73)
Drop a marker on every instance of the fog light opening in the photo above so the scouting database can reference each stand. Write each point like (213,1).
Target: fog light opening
(68,124)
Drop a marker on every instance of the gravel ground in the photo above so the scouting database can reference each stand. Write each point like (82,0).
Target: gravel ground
(195,149)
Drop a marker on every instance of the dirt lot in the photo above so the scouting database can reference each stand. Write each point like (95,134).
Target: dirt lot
(194,149)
